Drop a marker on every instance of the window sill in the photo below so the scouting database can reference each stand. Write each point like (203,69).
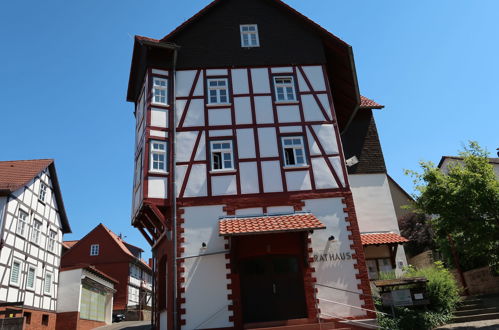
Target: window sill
(212,105)
(223,171)
(159,104)
(304,167)
(286,102)
(158,173)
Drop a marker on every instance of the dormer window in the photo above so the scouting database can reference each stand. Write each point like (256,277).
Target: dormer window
(249,35)
(94,249)
(159,91)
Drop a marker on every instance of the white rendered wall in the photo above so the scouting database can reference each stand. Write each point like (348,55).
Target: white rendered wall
(69,291)
(205,277)
(335,273)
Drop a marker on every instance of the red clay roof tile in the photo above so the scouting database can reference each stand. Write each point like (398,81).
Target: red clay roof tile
(369,104)
(382,238)
(16,173)
(269,224)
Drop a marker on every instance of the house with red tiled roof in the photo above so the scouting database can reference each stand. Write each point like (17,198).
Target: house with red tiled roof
(257,168)
(32,224)
(109,253)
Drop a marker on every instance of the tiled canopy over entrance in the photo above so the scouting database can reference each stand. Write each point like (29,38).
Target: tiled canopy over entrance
(382,238)
(269,224)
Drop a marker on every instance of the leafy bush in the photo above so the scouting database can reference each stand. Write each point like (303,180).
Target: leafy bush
(443,293)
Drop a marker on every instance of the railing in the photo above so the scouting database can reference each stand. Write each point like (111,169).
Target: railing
(344,320)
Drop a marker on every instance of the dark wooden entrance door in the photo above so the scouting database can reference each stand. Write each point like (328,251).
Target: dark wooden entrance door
(272,289)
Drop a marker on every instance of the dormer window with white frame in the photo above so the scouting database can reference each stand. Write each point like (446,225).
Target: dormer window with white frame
(218,91)
(159,91)
(284,89)
(158,156)
(22,223)
(94,249)
(294,151)
(249,35)
(222,157)
(43,192)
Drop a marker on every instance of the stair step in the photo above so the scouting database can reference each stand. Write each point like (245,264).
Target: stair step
(484,310)
(470,306)
(476,317)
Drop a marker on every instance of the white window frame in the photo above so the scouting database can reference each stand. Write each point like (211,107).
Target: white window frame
(94,249)
(160,88)
(284,87)
(49,283)
(223,152)
(249,30)
(36,231)
(22,223)
(218,91)
(159,152)
(295,147)
(19,273)
(42,193)
(30,267)
(51,240)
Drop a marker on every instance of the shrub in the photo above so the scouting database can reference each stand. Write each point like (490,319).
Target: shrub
(443,293)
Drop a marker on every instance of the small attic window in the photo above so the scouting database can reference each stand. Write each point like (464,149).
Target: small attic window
(249,35)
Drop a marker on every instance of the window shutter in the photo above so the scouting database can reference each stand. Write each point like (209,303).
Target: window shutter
(14,276)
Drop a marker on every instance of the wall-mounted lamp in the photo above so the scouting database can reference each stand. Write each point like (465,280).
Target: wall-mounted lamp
(331,238)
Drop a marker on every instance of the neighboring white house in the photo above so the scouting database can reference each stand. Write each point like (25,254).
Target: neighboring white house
(85,298)
(445,161)
(32,224)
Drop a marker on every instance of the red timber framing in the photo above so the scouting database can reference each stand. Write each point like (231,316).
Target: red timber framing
(153,218)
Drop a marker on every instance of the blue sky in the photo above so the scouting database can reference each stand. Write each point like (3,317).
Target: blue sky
(64,69)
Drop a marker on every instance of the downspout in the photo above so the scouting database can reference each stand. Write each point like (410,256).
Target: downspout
(174,189)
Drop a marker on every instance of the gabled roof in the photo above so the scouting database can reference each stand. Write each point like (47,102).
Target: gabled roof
(366,103)
(118,240)
(16,174)
(92,269)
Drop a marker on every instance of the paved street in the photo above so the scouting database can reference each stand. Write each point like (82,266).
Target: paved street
(128,325)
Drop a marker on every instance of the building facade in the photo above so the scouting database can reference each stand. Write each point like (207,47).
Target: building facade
(110,254)
(32,224)
(238,135)
(85,299)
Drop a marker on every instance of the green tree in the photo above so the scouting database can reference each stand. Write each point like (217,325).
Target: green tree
(464,203)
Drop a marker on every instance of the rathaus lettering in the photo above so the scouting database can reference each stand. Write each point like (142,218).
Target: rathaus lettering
(332,256)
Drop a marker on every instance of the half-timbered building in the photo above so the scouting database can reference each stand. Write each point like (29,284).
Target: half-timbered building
(240,181)
(32,224)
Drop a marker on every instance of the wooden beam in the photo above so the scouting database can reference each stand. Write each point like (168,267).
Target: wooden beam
(146,236)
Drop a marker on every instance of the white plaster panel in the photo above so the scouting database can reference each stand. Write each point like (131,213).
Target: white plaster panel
(195,113)
(242,107)
(180,107)
(180,170)
(240,81)
(325,104)
(302,84)
(216,72)
(298,180)
(260,79)
(196,186)
(246,143)
(313,147)
(268,142)
(201,152)
(185,145)
(249,211)
(335,273)
(158,133)
(223,185)
(221,132)
(162,72)
(199,90)
(271,172)
(373,202)
(311,109)
(336,162)
(157,187)
(280,209)
(286,69)
(323,177)
(290,129)
(219,117)
(327,137)
(184,82)
(264,110)
(316,77)
(288,113)
(249,177)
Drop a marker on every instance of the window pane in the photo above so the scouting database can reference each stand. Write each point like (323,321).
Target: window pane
(287,142)
(212,83)
(226,156)
(227,164)
(289,155)
(217,161)
(299,152)
(217,146)
(226,145)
